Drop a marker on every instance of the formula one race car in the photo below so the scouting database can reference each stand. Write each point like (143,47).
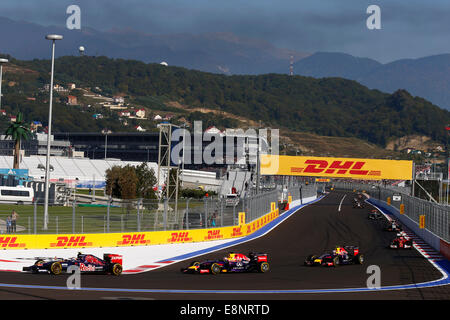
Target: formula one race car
(374,215)
(339,256)
(233,262)
(401,242)
(394,227)
(88,263)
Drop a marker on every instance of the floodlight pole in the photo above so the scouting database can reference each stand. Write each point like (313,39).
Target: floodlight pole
(2,61)
(53,38)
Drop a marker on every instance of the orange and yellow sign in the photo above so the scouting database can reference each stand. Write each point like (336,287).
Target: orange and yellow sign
(353,168)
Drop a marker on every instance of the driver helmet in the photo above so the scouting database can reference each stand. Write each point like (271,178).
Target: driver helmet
(231,257)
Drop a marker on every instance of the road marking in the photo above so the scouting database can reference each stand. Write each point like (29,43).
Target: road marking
(340,204)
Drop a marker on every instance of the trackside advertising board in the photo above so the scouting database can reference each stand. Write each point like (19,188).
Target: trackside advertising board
(353,168)
(99,240)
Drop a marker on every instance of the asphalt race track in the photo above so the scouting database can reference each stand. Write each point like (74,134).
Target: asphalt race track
(310,230)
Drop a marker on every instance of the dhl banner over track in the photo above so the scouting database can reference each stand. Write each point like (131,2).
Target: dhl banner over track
(353,168)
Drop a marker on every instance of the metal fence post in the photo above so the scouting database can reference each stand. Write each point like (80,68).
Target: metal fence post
(205,205)
(73,216)
(34,218)
(107,214)
(301,196)
(57,229)
(221,212)
(187,213)
(139,215)
(165,214)
(234,215)
(82,224)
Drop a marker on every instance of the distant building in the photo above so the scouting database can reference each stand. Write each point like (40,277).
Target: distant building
(157,117)
(140,113)
(3,112)
(56,87)
(140,129)
(118,99)
(72,100)
(213,130)
(124,113)
(35,125)
(12,118)
(71,86)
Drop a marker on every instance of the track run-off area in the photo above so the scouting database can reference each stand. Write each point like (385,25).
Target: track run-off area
(288,240)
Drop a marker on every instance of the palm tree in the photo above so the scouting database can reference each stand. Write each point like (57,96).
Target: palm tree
(18,131)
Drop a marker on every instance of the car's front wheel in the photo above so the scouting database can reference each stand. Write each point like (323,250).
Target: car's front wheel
(56,268)
(215,268)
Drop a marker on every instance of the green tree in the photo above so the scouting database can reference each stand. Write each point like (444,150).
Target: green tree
(128,182)
(18,131)
(112,181)
(146,182)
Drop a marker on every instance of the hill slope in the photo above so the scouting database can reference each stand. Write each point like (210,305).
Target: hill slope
(329,107)
(427,77)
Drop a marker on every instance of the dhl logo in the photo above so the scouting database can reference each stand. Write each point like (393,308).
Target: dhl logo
(10,242)
(213,235)
(179,237)
(135,239)
(336,167)
(237,232)
(73,241)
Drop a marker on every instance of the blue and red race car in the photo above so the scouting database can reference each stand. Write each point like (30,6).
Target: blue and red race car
(88,263)
(339,256)
(233,262)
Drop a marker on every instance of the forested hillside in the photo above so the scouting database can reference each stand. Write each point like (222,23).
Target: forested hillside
(328,106)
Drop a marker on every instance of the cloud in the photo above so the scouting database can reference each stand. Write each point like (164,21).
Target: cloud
(307,25)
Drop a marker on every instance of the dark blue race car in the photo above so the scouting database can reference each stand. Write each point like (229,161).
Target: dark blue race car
(341,255)
(88,263)
(233,262)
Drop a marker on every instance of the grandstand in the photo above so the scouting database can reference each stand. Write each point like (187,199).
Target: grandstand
(84,171)
(238,179)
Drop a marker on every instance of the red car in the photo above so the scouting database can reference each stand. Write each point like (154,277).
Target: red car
(401,242)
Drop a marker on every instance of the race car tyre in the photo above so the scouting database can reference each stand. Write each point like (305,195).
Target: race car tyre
(336,261)
(116,269)
(36,270)
(56,268)
(194,263)
(263,267)
(359,259)
(215,268)
(310,258)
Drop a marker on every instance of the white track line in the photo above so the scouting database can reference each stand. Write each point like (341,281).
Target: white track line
(340,204)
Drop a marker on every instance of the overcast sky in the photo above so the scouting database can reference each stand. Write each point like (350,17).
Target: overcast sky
(410,29)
